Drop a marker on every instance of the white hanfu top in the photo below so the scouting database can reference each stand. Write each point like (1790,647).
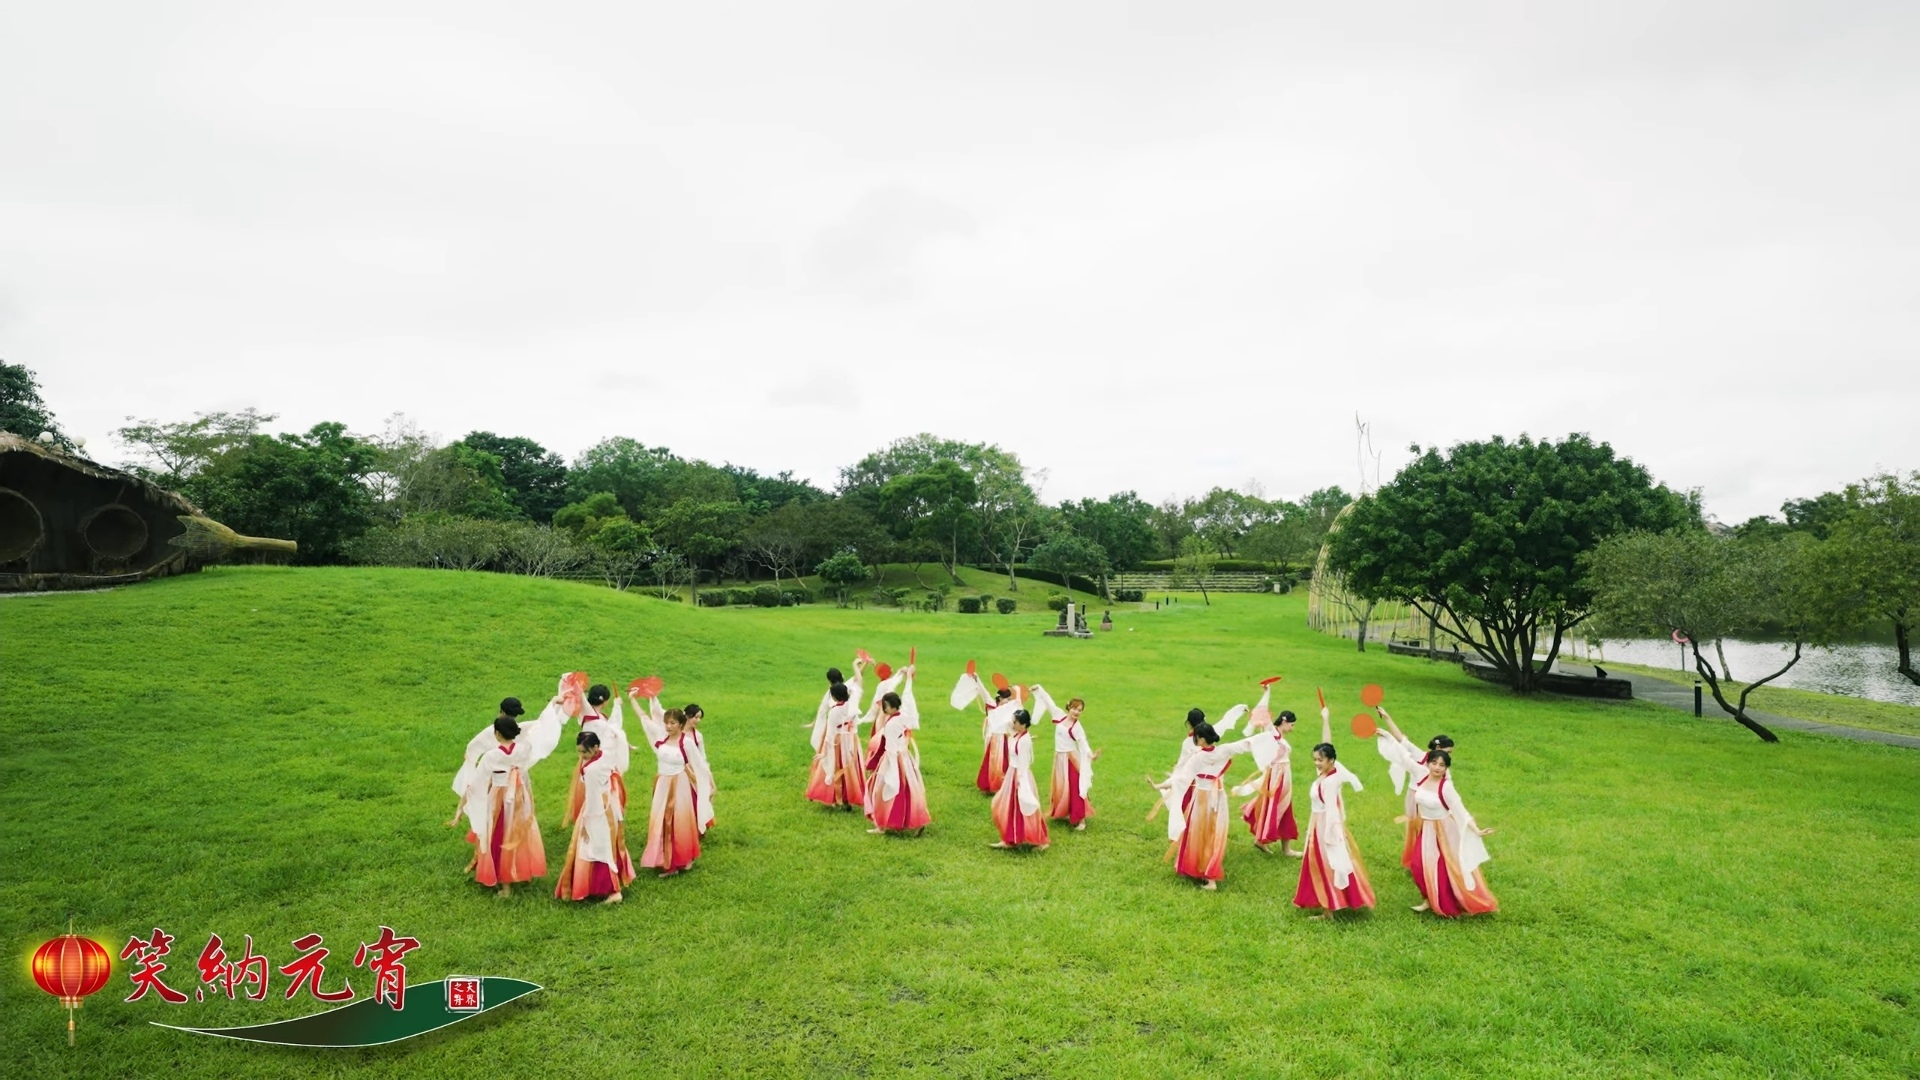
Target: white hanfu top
(1330,821)
(611,730)
(1205,763)
(596,824)
(495,767)
(1441,802)
(1071,738)
(695,748)
(1270,751)
(894,741)
(1020,771)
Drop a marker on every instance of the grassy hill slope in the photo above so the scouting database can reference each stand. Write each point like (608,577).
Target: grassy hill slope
(267,751)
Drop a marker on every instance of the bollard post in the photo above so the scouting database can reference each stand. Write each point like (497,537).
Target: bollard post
(1696,699)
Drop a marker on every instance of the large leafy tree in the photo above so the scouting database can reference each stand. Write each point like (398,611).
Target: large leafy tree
(638,476)
(309,488)
(1489,536)
(1001,507)
(21,410)
(1121,524)
(1067,553)
(171,452)
(1872,557)
(935,505)
(1706,588)
(534,477)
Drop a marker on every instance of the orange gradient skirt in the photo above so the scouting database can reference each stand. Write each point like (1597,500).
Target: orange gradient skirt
(1067,804)
(673,827)
(1316,881)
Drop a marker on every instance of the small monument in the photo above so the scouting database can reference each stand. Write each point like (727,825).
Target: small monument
(1073,623)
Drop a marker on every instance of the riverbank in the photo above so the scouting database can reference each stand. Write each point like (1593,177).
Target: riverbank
(1837,709)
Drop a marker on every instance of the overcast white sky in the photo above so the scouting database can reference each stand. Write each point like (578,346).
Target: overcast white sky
(1150,246)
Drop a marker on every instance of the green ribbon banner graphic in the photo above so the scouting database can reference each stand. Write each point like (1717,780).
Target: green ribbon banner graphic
(369,1022)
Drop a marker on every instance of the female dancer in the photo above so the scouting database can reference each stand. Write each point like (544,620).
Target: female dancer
(697,761)
(1331,874)
(597,862)
(834,679)
(1195,718)
(1405,761)
(673,823)
(1270,814)
(1444,851)
(1196,801)
(994,727)
(897,798)
(839,771)
(1016,806)
(1073,757)
(610,730)
(499,802)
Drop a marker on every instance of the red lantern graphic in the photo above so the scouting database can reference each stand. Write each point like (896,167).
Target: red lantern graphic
(70,967)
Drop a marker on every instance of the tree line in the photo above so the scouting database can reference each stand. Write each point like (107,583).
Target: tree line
(643,515)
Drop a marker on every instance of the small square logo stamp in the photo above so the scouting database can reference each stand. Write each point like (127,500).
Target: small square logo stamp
(463,993)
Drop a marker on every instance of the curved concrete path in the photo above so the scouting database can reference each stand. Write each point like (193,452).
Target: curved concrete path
(1680,696)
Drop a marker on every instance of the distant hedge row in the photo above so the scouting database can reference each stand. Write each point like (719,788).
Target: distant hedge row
(1227,566)
(758,596)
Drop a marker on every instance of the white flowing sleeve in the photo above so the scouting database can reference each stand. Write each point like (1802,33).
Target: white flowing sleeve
(1043,705)
(1028,791)
(1083,754)
(1233,717)
(543,735)
(476,746)
(477,794)
(819,736)
(653,720)
(1265,751)
(618,717)
(965,692)
(1402,759)
(1000,720)
(909,708)
(1176,795)
(853,692)
(1466,841)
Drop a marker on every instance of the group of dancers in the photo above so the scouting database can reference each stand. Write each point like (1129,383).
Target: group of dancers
(1443,849)
(497,800)
(883,778)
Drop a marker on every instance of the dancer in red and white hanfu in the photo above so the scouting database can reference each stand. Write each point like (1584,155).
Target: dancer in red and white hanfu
(1195,718)
(597,862)
(1444,851)
(609,727)
(1406,761)
(1196,801)
(703,789)
(897,798)
(838,776)
(1269,816)
(1016,806)
(673,822)
(1332,877)
(499,801)
(874,717)
(1073,757)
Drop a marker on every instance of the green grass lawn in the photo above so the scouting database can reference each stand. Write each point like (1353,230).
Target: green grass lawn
(1803,704)
(267,751)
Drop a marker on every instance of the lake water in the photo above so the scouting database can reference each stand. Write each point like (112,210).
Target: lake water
(1862,670)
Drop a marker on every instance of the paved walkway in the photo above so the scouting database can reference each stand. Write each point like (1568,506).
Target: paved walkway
(1680,696)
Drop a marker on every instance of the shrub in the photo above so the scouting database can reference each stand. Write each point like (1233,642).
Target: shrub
(796,596)
(1057,602)
(881,596)
(712,598)
(1006,604)
(1129,596)
(766,596)
(936,601)
(969,605)
(740,597)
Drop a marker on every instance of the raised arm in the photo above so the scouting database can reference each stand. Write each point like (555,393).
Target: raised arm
(1326,725)
(653,719)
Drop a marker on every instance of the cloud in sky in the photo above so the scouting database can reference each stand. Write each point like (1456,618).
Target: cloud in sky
(1156,246)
